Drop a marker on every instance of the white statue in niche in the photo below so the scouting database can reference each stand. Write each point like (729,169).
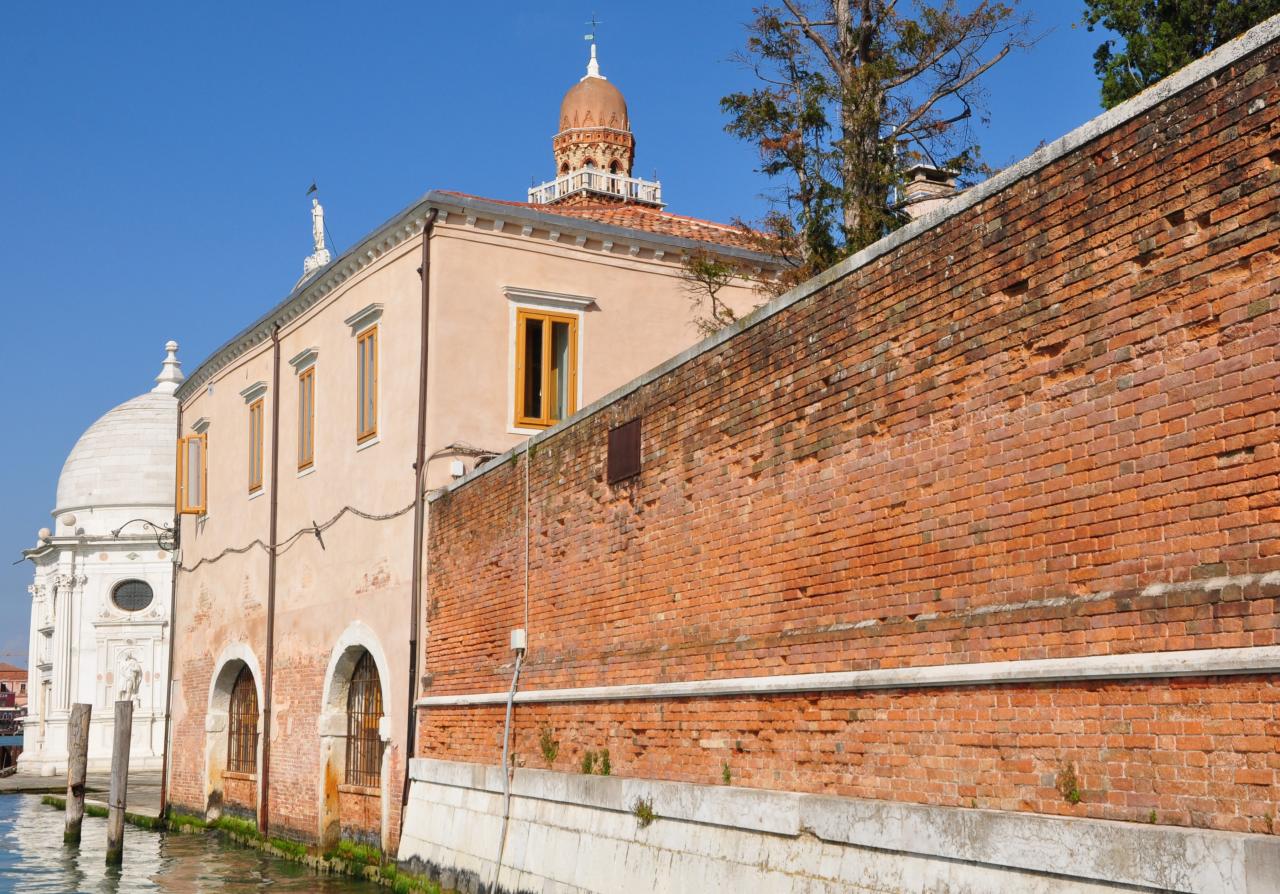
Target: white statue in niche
(130,678)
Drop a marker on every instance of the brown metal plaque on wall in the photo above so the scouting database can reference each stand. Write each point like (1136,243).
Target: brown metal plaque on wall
(624,451)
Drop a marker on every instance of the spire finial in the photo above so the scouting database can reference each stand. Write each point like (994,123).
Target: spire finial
(593,67)
(170,371)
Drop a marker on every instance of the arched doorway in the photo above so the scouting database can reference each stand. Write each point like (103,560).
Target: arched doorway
(354,735)
(233,736)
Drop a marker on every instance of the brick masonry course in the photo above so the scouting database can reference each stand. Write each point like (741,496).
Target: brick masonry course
(1045,427)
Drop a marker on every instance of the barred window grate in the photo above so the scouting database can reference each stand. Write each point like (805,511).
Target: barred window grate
(242,730)
(364,710)
(132,595)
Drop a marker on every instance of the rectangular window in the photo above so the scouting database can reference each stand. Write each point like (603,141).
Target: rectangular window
(255,446)
(546,367)
(306,418)
(192,461)
(367,385)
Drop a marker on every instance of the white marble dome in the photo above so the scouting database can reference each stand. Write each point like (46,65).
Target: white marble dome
(126,458)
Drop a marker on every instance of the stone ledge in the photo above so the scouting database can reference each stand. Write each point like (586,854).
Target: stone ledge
(1133,665)
(1156,857)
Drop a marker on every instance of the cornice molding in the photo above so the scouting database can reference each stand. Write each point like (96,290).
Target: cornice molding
(453,210)
(364,318)
(304,359)
(254,391)
(547,299)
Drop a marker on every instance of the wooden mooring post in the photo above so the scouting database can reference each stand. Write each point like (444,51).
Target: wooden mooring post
(77,769)
(119,782)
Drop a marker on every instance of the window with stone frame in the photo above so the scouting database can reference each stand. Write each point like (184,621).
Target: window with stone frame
(192,474)
(306,418)
(546,367)
(367,384)
(256,440)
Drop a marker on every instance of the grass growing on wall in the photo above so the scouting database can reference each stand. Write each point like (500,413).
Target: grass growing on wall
(140,820)
(348,858)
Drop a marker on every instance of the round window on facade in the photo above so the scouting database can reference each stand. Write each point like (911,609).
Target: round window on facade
(132,595)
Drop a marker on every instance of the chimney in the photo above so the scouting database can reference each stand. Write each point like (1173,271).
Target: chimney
(927,189)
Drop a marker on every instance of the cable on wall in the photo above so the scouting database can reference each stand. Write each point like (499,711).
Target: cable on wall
(293,538)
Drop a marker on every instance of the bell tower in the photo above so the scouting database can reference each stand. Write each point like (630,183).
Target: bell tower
(594,149)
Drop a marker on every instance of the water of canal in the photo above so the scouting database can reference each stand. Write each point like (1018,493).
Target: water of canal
(33,859)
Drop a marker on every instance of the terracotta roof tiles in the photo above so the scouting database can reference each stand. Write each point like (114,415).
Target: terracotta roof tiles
(644,218)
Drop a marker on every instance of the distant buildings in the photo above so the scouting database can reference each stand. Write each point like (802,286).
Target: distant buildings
(100,597)
(13,698)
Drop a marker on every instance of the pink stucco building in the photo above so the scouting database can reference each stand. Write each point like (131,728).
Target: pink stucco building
(308,441)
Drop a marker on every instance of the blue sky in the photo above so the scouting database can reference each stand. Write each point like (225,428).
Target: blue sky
(154,159)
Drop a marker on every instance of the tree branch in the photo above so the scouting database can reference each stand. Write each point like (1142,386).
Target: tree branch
(817,40)
(948,90)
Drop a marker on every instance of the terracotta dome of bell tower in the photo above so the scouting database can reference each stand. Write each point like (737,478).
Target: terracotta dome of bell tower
(593,102)
(594,148)
(594,128)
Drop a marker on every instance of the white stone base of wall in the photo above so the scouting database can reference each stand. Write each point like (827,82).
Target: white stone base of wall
(570,833)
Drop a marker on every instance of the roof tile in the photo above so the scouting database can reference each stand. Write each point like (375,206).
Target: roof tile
(644,218)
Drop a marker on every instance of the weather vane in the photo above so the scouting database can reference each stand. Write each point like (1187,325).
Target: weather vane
(593,24)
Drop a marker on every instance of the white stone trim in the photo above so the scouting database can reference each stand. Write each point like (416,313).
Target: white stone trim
(1141,665)
(201,425)
(333,723)
(1219,59)
(1151,857)
(254,391)
(221,684)
(364,318)
(304,359)
(236,651)
(542,298)
(357,635)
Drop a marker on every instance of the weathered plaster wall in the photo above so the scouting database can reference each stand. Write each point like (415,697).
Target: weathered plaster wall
(358,572)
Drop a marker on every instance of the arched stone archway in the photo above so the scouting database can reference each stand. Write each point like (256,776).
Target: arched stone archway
(335,793)
(240,792)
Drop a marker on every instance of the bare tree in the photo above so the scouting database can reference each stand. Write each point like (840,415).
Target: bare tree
(855,92)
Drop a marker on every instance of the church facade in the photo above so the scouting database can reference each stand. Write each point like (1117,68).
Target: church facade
(102,585)
(309,442)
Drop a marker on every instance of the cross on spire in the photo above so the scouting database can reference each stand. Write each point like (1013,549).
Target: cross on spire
(593,25)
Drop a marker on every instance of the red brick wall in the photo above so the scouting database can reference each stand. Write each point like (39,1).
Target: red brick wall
(1045,428)
(240,795)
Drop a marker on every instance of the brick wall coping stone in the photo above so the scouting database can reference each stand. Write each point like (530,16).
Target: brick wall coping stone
(1133,665)
(1170,858)
(1221,58)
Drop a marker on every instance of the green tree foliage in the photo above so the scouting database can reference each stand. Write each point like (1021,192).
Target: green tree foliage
(854,92)
(1157,37)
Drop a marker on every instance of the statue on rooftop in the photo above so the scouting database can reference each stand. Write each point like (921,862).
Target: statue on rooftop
(317,225)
